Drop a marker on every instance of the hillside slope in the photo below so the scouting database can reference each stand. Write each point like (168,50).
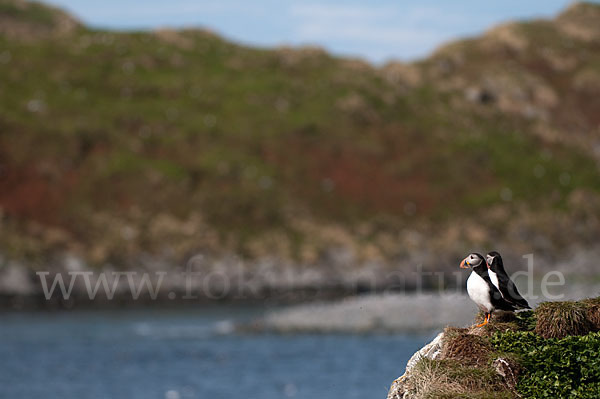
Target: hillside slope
(547,353)
(168,143)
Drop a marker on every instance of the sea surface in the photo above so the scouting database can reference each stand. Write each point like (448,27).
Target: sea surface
(191,353)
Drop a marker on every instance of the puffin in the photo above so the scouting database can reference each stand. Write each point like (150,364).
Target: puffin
(481,289)
(503,283)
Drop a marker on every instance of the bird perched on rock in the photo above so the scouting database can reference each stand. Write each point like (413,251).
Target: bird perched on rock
(505,285)
(481,289)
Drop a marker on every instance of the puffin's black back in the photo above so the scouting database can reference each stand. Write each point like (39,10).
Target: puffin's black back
(496,296)
(506,286)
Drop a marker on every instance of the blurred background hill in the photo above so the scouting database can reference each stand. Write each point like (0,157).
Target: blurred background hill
(125,149)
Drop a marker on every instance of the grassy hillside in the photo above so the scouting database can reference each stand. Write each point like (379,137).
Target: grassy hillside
(551,352)
(114,144)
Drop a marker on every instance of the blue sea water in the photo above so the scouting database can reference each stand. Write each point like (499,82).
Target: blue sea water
(179,354)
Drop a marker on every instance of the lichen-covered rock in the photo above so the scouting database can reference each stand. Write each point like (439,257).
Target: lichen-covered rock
(508,369)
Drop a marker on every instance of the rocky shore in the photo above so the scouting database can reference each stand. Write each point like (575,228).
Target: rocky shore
(434,296)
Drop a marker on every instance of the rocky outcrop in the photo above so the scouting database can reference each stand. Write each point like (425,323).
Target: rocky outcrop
(424,379)
(547,352)
(433,350)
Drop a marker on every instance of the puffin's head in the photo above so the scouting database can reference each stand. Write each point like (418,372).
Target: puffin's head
(473,260)
(493,260)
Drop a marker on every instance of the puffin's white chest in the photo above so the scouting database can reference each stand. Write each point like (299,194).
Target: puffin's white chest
(479,292)
(494,278)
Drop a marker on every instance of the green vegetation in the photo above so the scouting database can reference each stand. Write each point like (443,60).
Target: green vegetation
(555,368)
(146,132)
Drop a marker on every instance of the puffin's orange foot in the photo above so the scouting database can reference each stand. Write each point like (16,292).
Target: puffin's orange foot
(485,321)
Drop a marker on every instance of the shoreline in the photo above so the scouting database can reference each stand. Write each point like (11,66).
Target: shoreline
(77,301)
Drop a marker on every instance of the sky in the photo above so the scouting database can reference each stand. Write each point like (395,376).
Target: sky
(378,31)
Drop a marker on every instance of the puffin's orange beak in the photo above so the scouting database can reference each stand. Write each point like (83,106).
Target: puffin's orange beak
(464,264)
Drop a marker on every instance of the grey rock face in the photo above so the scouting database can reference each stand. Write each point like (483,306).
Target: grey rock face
(432,350)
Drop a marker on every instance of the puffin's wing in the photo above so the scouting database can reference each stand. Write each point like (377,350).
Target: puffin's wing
(499,301)
(510,292)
